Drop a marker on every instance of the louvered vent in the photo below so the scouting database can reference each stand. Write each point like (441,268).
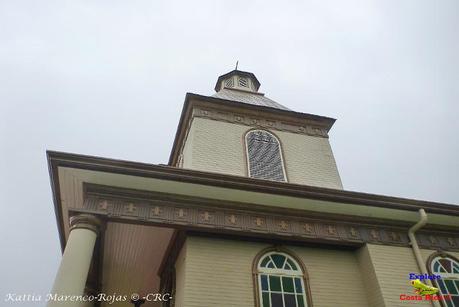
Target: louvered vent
(264,156)
(243,82)
(229,82)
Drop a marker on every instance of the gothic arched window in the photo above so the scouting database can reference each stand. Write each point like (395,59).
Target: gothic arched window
(280,281)
(448,268)
(264,156)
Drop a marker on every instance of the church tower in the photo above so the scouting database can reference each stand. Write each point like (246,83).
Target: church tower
(250,212)
(239,131)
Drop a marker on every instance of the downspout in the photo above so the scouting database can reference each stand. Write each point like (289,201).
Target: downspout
(415,247)
(414,242)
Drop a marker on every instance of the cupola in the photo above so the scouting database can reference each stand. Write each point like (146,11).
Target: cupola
(238,80)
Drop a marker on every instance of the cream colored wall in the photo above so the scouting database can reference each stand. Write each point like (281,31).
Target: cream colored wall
(219,273)
(309,160)
(335,278)
(370,280)
(216,146)
(180,277)
(392,266)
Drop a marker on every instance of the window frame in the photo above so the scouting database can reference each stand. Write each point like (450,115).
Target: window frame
(430,261)
(256,273)
(281,153)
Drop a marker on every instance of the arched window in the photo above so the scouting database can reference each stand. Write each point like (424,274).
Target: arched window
(264,156)
(448,268)
(280,281)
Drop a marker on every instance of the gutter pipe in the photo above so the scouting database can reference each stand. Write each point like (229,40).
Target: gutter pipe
(414,242)
(415,246)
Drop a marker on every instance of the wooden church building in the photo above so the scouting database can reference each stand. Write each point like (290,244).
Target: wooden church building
(249,212)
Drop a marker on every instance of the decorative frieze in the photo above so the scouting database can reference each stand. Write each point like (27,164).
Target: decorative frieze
(354,233)
(309,228)
(304,128)
(231,219)
(444,241)
(245,221)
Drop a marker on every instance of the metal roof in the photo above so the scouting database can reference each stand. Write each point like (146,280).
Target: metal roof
(249,98)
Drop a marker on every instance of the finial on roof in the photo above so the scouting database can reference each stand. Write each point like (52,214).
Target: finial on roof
(237,62)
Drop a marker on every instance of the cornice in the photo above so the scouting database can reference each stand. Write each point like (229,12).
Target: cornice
(259,121)
(93,163)
(61,159)
(282,119)
(191,216)
(127,194)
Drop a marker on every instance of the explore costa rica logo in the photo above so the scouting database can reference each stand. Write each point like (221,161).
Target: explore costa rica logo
(422,291)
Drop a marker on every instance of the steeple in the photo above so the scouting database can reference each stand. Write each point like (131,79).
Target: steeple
(239,131)
(242,86)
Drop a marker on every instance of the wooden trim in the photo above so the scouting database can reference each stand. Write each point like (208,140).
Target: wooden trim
(136,195)
(199,214)
(195,99)
(180,132)
(256,109)
(185,137)
(258,120)
(168,252)
(245,154)
(59,159)
(56,195)
(171,254)
(166,271)
(93,163)
(255,273)
(100,261)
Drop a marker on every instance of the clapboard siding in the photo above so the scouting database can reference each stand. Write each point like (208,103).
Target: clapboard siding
(219,273)
(180,277)
(335,278)
(392,266)
(370,280)
(218,146)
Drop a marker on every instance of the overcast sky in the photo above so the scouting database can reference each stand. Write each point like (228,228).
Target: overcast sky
(108,78)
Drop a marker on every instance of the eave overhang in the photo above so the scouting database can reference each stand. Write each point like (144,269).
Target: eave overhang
(213,186)
(192,99)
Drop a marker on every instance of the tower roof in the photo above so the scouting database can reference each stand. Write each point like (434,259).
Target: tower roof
(256,99)
(242,86)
